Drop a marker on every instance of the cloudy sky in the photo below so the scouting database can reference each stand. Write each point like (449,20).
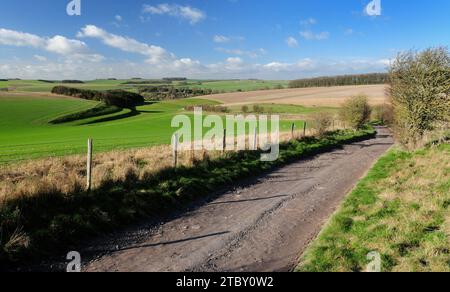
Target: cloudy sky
(212,39)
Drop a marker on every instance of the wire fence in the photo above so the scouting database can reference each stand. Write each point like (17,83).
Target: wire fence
(16,153)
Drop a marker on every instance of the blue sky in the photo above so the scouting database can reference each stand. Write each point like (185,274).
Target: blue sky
(213,39)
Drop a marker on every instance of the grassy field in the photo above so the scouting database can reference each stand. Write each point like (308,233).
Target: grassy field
(27,134)
(222,86)
(400,210)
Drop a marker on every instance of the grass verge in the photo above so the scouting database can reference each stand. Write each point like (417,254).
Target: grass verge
(401,210)
(33,227)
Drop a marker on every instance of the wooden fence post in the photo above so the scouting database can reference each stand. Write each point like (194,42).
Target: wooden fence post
(304,129)
(89,166)
(175,150)
(292,131)
(255,140)
(224,142)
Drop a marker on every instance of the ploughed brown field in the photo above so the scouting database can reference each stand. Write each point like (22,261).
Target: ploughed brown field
(317,96)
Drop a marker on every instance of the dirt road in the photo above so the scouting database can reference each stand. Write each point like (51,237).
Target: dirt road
(264,225)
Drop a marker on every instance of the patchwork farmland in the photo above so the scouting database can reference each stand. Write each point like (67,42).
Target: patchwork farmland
(27,109)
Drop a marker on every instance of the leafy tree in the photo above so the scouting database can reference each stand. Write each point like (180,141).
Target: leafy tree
(356,111)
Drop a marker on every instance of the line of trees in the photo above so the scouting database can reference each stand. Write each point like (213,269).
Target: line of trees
(171,92)
(120,98)
(341,80)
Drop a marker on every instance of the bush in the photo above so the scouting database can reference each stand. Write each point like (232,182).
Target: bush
(245,109)
(258,109)
(209,108)
(420,93)
(356,111)
(322,122)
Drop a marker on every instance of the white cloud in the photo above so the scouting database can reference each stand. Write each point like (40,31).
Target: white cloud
(349,31)
(292,42)
(162,63)
(230,68)
(234,60)
(309,35)
(63,46)
(309,21)
(40,58)
(60,45)
(20,39)
(155,54)
(238,52)
(221,39)
(193,15)
(118,18)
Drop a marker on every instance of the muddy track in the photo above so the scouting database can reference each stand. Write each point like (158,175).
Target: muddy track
(262,226)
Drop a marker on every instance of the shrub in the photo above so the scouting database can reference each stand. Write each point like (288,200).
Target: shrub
(322,122)
(420,93)
(209,108)
(245,109)
(356,111)
(258,109)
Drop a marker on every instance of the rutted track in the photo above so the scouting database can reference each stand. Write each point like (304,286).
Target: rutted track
(262,226)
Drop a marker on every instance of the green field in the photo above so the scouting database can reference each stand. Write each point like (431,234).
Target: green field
(221,86)
(25,132)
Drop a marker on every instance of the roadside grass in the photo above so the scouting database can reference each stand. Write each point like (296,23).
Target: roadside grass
(401,210)
(46,223)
